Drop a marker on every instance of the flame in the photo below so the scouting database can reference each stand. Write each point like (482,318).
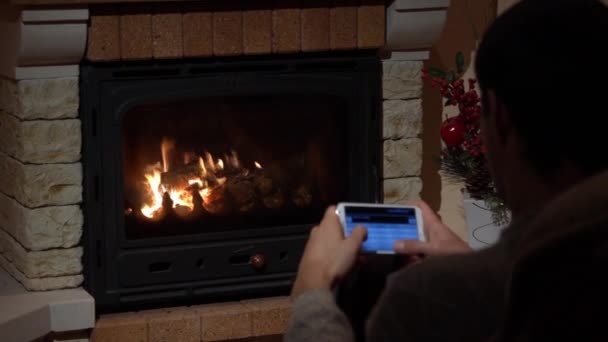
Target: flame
(166,147)
(182,191)
(157,196)
(201,165)
(189,157)
(182,199)
(235,160)
(195,181)
(209,161)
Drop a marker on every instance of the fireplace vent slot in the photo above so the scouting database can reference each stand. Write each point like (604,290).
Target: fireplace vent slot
(158,267)
(283,255)
(241,259)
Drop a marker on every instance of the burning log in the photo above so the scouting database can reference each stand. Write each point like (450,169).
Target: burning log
(215,201)
(302,197)
(242,191)
(274,201)
(264,185)
(179,178)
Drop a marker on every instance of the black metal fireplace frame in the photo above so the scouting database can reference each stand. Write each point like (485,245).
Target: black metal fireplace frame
(115,271)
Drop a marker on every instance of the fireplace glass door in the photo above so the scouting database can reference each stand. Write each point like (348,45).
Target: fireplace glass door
(217,164)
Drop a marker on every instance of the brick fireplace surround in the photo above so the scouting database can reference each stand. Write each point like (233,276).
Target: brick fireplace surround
(41,221)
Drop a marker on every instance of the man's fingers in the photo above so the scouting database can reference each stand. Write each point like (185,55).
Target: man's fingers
(412,247)
(330,216)
(356,239)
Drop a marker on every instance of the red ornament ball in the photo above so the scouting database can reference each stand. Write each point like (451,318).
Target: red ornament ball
(452,131)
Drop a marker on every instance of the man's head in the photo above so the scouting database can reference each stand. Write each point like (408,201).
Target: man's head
(543,71)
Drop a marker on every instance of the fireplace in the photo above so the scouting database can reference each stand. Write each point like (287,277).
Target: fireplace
(202,179)
(92,93)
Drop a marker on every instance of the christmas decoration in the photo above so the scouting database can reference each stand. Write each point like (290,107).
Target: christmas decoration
(452,132)
(463,156)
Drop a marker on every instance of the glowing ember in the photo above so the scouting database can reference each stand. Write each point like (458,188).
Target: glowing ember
(257,165)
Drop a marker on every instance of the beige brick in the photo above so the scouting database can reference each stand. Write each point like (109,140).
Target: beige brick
(126,327)
(315,26)
(286,30)
(136,32)
(178,324)
(402,158)
(343,25)
(40,141)
(401,80)
(54,98)
(257,28)
(225,321)
(228,32)
(41,284)
(41,228)
(402,190)
(269,315)
(35,185)
(103,43)
(371,24)
(167,32)
(40,264)
(197,31)
(402,119)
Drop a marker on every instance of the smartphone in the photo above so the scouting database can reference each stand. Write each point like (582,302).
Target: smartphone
(385,224)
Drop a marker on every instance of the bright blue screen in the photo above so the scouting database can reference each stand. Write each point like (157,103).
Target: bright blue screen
(384,225)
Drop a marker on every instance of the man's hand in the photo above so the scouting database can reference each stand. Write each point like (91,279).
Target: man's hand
(328,256)
(440,240)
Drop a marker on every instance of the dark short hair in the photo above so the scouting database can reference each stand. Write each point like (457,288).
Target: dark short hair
(547,62)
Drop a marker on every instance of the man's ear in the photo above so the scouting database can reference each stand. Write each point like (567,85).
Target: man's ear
(500,116)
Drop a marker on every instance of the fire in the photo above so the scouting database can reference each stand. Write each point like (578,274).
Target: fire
(156,190)
(176,186)
(166,148)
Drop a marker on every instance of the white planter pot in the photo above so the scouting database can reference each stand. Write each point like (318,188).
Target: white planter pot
(482,231)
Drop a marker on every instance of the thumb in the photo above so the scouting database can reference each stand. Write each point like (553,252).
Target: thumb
(412,247)
(356,239)
(348,253)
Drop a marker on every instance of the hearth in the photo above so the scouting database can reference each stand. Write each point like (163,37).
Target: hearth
(203,178)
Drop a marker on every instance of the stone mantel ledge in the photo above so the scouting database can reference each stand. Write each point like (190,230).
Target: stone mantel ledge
(26,316)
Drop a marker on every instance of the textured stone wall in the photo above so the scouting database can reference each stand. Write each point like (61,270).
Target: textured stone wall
(402,127)
(40,182)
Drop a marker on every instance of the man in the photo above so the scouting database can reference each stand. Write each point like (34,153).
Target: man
(542,69)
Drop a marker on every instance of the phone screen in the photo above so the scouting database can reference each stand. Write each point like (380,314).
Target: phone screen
(384,225)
